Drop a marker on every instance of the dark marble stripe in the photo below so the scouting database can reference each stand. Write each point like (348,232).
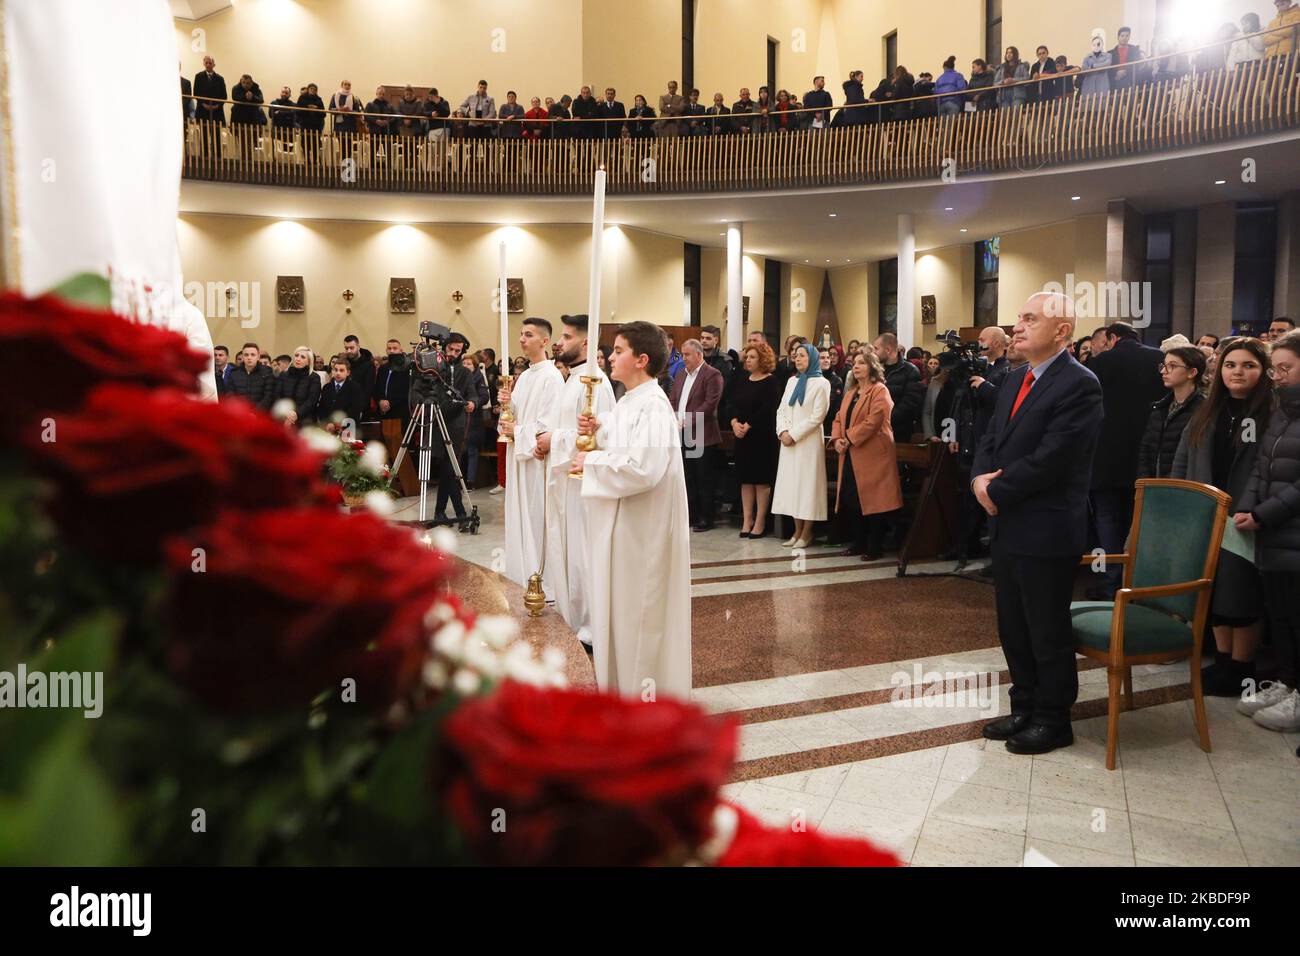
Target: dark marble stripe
(936,737)
(780,557)
(883,695)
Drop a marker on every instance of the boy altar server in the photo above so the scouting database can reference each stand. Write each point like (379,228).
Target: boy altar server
(535,395)
(633,485)
(566,525)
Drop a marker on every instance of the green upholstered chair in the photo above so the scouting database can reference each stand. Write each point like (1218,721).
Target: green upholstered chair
(1158,616)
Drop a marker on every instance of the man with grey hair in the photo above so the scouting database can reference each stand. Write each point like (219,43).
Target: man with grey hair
(697,390)
(1032,476)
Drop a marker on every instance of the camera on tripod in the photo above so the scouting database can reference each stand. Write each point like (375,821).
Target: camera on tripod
(428,356)
(961,360)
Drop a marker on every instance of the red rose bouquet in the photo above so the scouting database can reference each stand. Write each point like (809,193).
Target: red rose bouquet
(132,466)
(56,352)
(582,779)
(316,596)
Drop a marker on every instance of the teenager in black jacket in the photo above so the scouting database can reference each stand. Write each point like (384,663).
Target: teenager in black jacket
(301,385)
(252,382)
(340,395)
(1181,374)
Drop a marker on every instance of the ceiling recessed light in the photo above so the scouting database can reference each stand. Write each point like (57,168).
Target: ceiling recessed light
(1075,198)
(963,230)
(834,214)
(828,260)
(1220,182)
(947,208)
(806,260)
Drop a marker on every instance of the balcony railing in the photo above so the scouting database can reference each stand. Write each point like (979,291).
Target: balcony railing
(1200,107)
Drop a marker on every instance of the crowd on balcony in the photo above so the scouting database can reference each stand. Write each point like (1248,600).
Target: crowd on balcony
(899,96)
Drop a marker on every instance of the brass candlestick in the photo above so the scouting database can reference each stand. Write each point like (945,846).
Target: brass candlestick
(587,442)
(507,410)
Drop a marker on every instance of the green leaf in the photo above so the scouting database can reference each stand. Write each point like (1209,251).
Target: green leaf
(66,814)
(85,288)
(398,788)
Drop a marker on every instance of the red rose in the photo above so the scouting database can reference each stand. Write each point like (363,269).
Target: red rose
(756,844)
(134,465)
(56,352)
(290,603)
(583,779)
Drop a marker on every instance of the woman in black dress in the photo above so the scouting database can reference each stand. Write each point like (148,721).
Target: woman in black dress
(753,421)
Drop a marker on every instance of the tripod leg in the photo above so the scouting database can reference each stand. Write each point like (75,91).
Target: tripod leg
(406,438)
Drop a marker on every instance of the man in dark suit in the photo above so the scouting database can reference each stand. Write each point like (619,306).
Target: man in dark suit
(1032,473)
(1129,373)
(697,390)
(613,111)
(391,397)
(585,107)
(211,84)
(340,394)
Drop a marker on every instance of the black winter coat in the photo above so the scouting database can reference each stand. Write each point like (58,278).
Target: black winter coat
(256,387)
(908,392)
(1160,440)
(1273,492)
(302,387)
(1130,382)
(248,105)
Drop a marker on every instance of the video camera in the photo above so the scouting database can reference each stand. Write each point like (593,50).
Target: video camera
(961,360)
(434,381)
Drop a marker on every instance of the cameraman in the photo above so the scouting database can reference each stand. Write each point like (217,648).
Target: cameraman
(462,400)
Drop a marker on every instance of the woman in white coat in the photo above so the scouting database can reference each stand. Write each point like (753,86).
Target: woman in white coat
(800,490)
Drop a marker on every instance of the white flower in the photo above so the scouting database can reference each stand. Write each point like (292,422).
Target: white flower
(450,641)
(281,409)
(498,630)
(380,503)
(444,539)
(466,682)
(319,440)
(554,660)
(482,658)
(439,614)
(435,674)
(374,459)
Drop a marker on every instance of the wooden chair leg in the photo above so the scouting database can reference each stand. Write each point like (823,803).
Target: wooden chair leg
(1114,677)
(1128,688)
(1198,706)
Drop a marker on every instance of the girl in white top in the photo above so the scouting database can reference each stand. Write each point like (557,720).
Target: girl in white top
(800,490)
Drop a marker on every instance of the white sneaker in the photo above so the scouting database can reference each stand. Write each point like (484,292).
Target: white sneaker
(497,490)
(1267,694)
(1284,715)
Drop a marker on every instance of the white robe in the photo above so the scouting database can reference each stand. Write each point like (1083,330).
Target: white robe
(800,490)
(640,593)
(535,397)
(566,524)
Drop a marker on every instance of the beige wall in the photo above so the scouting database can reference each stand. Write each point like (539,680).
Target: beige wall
(643,276)
(1031,258)
(731,45)
(854,290)
(448,44)
(801,297)
(948,274)
(713,290)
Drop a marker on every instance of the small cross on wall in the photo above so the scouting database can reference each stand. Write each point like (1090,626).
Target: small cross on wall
(348,294)
(457,295)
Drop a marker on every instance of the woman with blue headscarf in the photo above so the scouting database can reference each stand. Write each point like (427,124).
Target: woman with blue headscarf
(800,490)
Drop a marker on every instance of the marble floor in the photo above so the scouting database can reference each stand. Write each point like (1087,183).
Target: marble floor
(860,697)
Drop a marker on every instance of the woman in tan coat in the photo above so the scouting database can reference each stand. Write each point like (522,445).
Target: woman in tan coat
(868,474)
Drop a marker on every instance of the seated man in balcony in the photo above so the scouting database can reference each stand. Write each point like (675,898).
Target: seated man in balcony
(284,118)
(411,111)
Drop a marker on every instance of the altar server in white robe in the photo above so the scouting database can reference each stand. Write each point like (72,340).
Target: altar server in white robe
(639,531)
(800,490)
(566,526)
(535,395)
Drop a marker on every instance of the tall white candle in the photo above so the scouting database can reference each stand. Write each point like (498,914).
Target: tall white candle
(593,291)
(501,307)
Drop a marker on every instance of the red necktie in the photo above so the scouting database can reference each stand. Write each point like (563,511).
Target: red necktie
(1024,390)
